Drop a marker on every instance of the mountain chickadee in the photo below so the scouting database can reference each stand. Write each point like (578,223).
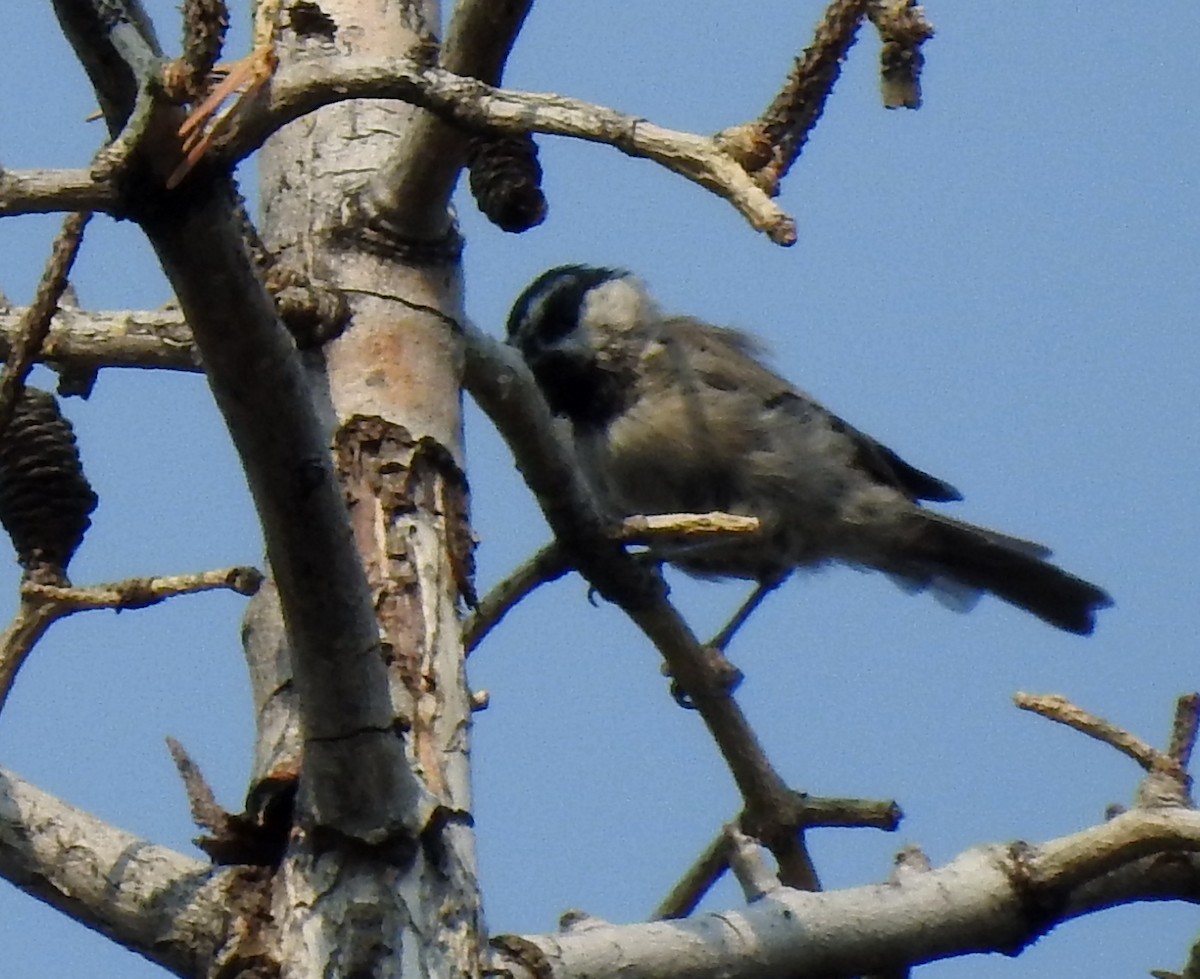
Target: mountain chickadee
(673,415)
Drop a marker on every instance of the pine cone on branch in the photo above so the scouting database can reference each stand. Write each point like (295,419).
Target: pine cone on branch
(45,499)
(506,180)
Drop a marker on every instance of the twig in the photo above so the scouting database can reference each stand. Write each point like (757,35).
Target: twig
(202,803)
(82,341)
(1183,730)
(700,878)
(794,112)
(136,593)
(35,325)
(43,605)
(205,124)
(748,866)
(204,25)
(44,191)
(1057,708)
(903,29)
(712,863)
(655,527)
(1191,968)
(548,564)
(255,839)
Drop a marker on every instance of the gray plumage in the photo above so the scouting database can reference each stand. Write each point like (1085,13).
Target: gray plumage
(670,414)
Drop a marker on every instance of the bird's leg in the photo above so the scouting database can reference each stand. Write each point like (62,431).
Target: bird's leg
(764,588)
(729,677)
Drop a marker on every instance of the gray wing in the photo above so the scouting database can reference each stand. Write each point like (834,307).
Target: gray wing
(727,359)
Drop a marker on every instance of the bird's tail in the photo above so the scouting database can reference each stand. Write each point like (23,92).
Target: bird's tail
(939,548)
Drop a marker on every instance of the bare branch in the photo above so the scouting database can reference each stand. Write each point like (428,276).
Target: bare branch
(480,36)
(82,342)
(790,117)
(548,564)
(170,908)
(996,898)
(44,191)
(1191,968)
(748,866)
(116,44)
(257,838)
(1057,708)
(1183,729)
(42,605)
(204,25)
(698,881)
(300,88)
(500,382)
(35,324)
(144,592)
(354,763)
(206,812)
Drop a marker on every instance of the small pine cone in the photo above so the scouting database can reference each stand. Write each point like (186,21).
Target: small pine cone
(45,498)
(506,181)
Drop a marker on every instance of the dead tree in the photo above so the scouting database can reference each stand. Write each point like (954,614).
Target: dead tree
(336,347)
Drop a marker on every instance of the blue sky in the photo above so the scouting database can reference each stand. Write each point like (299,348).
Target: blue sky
(1001,286)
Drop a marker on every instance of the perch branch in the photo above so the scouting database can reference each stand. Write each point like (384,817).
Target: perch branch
(42,605)
(501,384)
(657,527)
(550,563)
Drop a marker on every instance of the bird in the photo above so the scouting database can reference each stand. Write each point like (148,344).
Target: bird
(670,414)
